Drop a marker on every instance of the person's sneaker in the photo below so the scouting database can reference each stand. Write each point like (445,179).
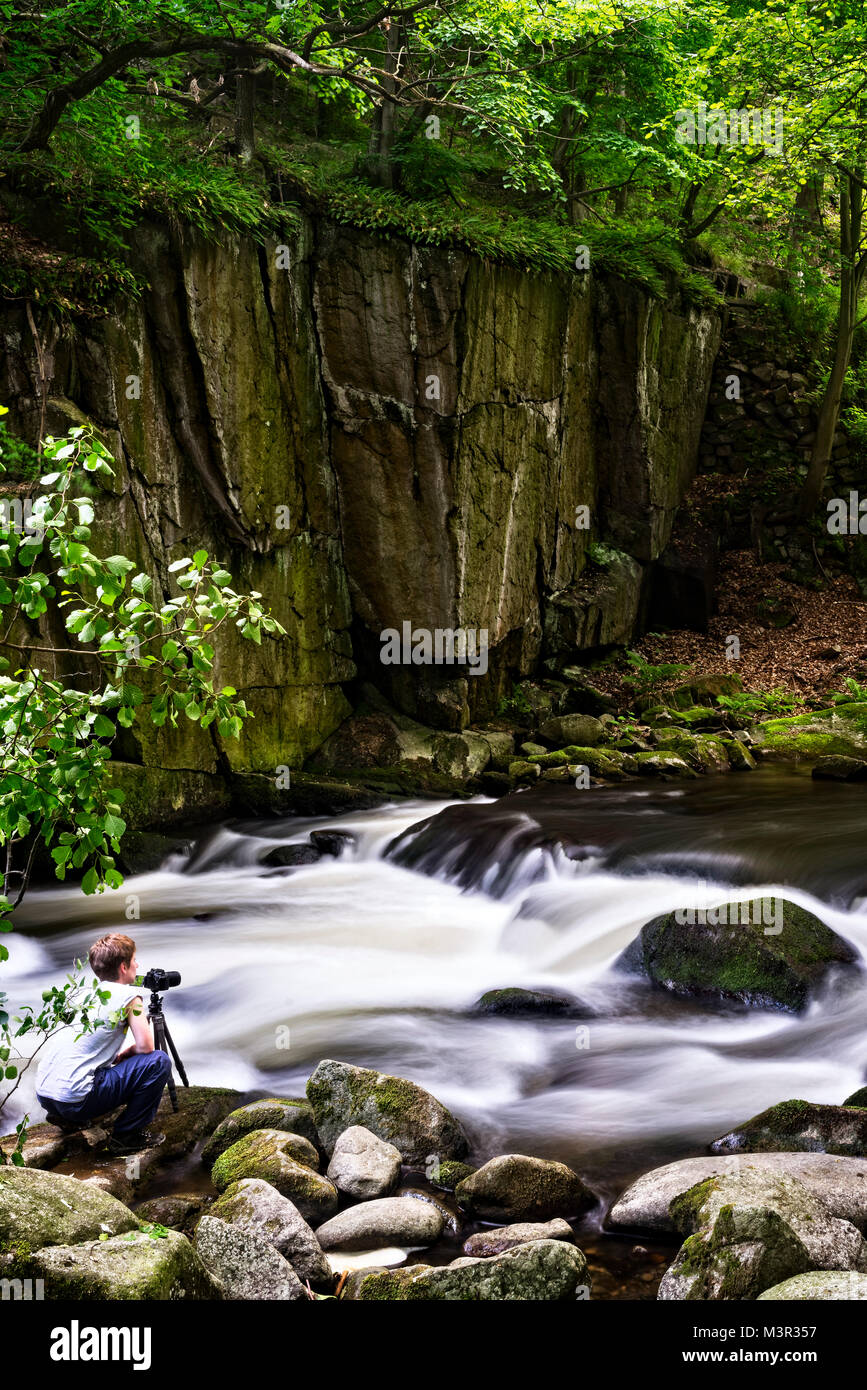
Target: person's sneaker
(134,1142)
(65,1126)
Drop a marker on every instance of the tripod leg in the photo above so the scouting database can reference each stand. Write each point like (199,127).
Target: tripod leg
(174,1051)
(160,1031)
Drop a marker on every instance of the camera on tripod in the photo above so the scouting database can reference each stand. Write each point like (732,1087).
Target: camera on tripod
(158,980)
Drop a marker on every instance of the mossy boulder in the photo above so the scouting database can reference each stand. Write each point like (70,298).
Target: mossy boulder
(703,689)
(664,765)
(600,762)
(293,1116)
(255,1206)
(39,1208)
(740,758)
(743,1252)
(799,1125)
(543,1271)
(135,1267)
(830,1243)
(582,729)
(287,1162)
(857,1098)
(515,1187)
(820,1286)
(394,1109)
(244,1262)
(446,1176)
(837,732)
(763,953)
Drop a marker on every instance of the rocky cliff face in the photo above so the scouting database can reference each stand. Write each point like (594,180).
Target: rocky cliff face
(370,433)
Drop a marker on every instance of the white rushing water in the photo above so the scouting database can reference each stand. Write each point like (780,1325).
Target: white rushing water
(361,960)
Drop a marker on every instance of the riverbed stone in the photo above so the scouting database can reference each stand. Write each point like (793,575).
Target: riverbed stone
(247,1266)
(392,1108)
(743,1251)
(764,954)
(515,1187)
(179,1211)
(839,1183)
(447,1175)
(362,1165)
(293,1116)
(840,769)
(831,1243)
(565,729)
(799,1125)
(821,1286)
(134,1266)
(39,1208)
(255,1206)
(273,1156)
(544,1270)
(531,1003)
(484,1244)
(386,1221)
(664,765)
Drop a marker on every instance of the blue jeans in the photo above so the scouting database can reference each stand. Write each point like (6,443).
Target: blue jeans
(137,1081)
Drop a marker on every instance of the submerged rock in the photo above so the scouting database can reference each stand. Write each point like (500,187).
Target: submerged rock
(255,1206)
(824,1286)
(362,1165)
(332,842)
(515,1187)
(776,958)
(245,1264)
(396,1110)
(484,1244)
(544,1270)
(293,1116)
(388,1221)
(795,1125)
(531,1003)
(285,856)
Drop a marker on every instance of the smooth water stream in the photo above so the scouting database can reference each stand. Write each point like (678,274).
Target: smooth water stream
(362,959)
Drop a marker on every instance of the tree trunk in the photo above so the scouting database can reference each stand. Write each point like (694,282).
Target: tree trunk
(379,151)
(245,115)
(852,265)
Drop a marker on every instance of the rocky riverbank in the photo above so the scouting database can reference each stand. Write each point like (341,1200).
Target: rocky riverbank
(337,1193)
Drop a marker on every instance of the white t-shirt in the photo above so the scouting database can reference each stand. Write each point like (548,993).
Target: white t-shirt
(66,1072)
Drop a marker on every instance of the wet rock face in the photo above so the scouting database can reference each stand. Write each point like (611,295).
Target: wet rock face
(376,433)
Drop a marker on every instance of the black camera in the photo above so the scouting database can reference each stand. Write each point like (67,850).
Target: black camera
(158,980)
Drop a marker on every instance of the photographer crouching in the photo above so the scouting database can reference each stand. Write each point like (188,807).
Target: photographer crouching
(89,1075)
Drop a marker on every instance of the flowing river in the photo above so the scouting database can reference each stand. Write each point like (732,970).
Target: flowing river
(375,962)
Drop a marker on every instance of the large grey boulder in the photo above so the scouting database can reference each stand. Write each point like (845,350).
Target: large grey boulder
(837,1182)
(362,1165)
(825,1286)
(515,1187)
(388,1221)
(764,953)
(799,1125)
(830,1242)
(484,1244)
(255,1206)
(246,1265)
(567,729)
(396,1110)
(134,1266)
(287,1162)
(294,1116)
(742,1251)
(39,1208)
(544,1270)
